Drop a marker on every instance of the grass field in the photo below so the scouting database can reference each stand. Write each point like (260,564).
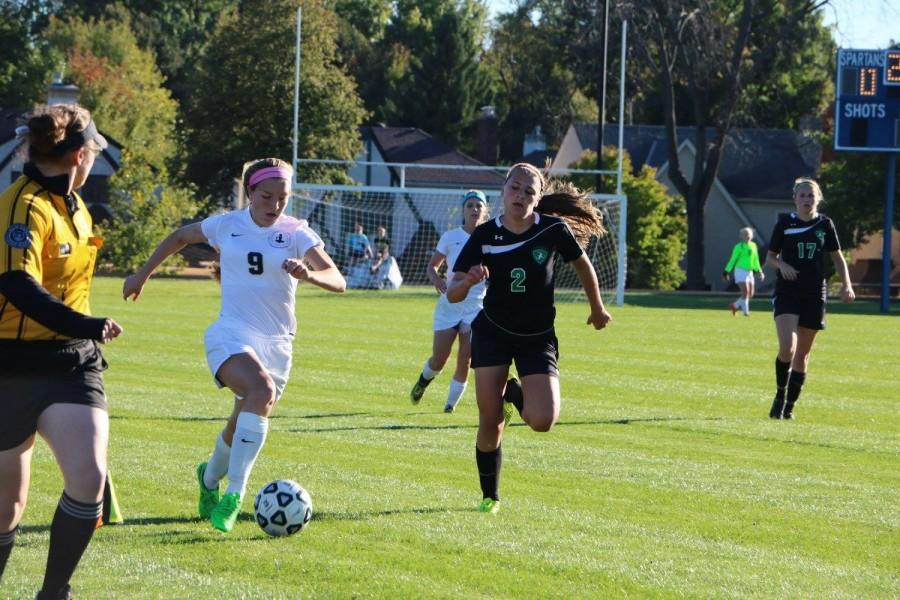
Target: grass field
(663,478)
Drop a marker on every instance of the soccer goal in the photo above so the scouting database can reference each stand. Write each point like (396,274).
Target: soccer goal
(415,218)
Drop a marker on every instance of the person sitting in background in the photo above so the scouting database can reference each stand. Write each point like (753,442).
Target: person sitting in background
(357,248)
(382,245)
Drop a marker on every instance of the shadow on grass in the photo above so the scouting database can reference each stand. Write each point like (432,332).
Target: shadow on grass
(401,427)
(373,514)
(225,416)
(762,304)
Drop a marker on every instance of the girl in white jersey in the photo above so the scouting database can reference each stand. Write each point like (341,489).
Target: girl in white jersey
(263,254)
(452,320)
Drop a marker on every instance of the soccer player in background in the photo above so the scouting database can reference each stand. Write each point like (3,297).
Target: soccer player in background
(744,262)
(263,254)
(50,364)
(797,249)
(516,252)
(452,321)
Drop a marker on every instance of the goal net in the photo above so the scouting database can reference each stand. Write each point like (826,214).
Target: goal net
(415,219)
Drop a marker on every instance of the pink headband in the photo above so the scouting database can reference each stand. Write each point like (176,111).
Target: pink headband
(270,173)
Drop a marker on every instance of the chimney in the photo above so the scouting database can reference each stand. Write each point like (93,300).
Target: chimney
(62,93)
(534,142)
(486,147)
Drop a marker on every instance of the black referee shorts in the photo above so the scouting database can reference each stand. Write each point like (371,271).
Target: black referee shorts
(533,354)
(34,375)
(810,309)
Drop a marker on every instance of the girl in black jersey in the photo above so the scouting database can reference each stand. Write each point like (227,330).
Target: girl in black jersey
(517,252)
(799,243)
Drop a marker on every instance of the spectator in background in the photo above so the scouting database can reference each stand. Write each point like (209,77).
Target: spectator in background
(357,248)
(382,245)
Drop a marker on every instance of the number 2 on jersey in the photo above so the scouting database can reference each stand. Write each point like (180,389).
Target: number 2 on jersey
(517,285)
(255,259)
(810,249)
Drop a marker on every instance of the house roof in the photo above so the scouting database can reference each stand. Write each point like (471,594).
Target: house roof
(756,163)
(413,146)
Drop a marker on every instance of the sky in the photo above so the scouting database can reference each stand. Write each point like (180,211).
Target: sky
(862,24)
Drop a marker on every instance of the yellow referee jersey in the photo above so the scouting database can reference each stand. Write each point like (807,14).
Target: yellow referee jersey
(57,249)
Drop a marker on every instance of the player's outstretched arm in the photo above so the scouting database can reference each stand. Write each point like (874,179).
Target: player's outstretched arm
(175,241)
(437,259)
(461,282)
(588,277)
(323,273)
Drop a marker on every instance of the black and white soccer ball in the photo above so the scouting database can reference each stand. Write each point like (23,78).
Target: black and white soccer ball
(282,507)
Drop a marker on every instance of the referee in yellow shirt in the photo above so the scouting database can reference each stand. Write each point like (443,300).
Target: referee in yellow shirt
(50,363)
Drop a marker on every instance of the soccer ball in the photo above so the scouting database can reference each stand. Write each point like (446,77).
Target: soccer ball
(282,507)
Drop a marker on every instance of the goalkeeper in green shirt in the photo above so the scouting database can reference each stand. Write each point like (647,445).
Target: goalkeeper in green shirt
(744,262)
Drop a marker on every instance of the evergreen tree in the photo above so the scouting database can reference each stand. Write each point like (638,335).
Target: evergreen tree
(656,229)
(242,108)
(434,78)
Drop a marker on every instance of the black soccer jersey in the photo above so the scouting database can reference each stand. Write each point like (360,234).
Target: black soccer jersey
(520,287)
(803,244)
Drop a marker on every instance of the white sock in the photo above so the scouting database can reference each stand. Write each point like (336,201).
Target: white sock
(746,307)
(456,391)
(218,464)
(249,437)
(428,372)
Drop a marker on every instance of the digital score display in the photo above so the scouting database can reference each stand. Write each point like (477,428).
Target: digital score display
(867,103)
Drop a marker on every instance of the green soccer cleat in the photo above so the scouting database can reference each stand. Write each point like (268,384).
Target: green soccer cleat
(226,512)
(418,390)
(209,498)
(489,505)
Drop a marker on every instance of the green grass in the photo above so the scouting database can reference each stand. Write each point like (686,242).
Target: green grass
(663,478)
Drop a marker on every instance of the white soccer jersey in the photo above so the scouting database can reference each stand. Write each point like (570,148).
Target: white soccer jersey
(256,292)
(450,245)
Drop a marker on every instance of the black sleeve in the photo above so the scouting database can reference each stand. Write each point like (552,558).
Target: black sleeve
(569,248)
(38,304)
(777,239)
(470,255)
(831,239)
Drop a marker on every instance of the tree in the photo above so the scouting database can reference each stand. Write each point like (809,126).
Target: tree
(243,104)
(122,87)
(120,84)
(702,52)
(24,68)
(534,86)
(434,78)
(856,203)
(655,228)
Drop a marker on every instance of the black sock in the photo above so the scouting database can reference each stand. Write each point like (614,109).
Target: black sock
(782,369)
(6,543)
(489,472)
(513,395)
(72,528)
(795,385)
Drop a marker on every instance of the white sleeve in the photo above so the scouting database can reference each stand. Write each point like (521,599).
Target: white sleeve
(210,227)
(443,245)
(305,239)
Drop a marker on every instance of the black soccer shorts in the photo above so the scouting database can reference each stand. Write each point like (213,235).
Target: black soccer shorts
(533,354)
(44,373)
(810,309)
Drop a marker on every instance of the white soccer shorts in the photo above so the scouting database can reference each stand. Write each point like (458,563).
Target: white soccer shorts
(222,342)
(448,315)
(743,276)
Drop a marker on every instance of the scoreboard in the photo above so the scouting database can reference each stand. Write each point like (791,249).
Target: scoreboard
(867,103)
